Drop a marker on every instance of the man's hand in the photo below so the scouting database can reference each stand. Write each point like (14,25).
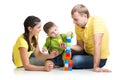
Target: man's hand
(97,69)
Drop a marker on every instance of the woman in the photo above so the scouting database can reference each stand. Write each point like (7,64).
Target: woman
(26,52)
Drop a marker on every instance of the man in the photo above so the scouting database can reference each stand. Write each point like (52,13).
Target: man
(92,47)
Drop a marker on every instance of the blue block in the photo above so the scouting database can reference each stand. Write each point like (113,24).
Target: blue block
(68,47)
(66,65)
(68,51)
(66,61)
(68,40)
(69,37)
(70,69)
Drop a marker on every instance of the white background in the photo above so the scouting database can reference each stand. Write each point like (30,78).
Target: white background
(13,14)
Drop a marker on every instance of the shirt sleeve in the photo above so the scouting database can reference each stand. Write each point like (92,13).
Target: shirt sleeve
(47,43)
(22,43)
(99,25)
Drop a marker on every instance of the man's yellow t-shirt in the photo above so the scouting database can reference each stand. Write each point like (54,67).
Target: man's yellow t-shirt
(95,25)
(21,42)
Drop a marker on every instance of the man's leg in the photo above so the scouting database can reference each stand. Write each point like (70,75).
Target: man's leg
(84,61)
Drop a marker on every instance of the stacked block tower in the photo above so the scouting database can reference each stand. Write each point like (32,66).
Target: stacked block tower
(67,57)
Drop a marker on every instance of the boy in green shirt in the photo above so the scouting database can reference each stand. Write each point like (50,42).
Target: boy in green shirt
(52,43)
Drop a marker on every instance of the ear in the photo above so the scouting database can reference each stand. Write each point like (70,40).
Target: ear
(85,15)
(30,28)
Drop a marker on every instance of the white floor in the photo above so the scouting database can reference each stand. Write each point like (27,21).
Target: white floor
(59,74)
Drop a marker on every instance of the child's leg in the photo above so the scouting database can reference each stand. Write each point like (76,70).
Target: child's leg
(49,65)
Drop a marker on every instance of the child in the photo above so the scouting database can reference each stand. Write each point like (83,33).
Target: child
(53,41)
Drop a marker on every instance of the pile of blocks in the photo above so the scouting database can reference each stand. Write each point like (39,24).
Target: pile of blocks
(67,58)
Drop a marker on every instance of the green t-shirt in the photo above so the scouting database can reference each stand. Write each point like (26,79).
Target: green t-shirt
(52,43)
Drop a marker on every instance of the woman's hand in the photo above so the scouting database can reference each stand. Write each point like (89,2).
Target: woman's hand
(48,65)
(54,53)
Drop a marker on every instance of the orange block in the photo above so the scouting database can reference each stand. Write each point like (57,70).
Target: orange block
(67,58)
(65,68)
(70,61)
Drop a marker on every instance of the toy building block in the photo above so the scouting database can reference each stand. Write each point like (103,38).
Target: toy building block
(67,56)
(60,41)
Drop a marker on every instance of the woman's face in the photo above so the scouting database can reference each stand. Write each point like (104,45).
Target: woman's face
(36,29)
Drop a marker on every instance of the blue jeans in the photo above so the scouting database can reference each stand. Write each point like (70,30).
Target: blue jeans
(82,60)
(35,61)
(57,60)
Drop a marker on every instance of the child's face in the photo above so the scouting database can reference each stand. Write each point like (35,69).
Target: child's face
(53,32)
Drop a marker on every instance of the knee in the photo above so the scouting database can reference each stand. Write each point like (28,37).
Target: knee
(102,63)
(77,60)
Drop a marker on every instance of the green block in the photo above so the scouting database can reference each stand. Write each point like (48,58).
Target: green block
(68,44)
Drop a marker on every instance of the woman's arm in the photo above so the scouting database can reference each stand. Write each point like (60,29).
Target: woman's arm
(26,63)
(39,55)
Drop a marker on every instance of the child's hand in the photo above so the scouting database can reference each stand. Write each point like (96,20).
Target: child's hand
(54,54)
(44,50)
(62,46)
(69,33)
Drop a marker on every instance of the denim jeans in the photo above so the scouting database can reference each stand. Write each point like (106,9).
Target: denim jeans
(82,60)
(35,61)
(57,61)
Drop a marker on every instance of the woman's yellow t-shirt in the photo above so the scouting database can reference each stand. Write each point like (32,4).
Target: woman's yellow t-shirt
(21,42)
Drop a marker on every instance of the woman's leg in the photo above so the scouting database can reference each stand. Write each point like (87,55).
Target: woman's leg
(34,61)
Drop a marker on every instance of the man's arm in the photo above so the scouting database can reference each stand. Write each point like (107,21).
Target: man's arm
(97,49)
(79,46)
(97,53)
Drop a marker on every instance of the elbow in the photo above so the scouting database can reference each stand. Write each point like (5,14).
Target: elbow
(27,67)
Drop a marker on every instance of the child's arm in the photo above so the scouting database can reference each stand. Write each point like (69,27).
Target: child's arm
(44,50)
(63,45)
(46,45)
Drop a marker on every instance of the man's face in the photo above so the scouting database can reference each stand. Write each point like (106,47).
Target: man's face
(79,20)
